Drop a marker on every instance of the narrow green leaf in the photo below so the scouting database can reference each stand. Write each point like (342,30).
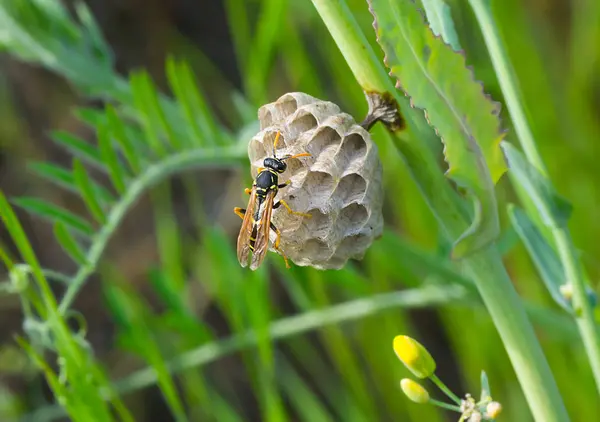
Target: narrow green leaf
(157,113)
(142,99)
(119,134)
(543,255)
(62,177)
(440,21)
(109,156)
(437,80)
(79,148)
(198,135)
(553,208)
(485,386)
(54,213)
(20,239)
(69,244)
(83,182)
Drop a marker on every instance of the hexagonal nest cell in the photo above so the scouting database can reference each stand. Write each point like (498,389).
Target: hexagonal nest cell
(340,183)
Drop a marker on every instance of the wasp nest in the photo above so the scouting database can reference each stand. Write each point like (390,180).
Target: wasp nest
(339,184)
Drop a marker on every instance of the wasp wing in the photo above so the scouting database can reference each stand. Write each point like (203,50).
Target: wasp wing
(261,245)
(243,242)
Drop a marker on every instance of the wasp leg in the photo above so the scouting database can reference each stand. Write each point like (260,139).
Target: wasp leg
(283,185)
(248,191)
(240,212)
(276,245)
(287,207)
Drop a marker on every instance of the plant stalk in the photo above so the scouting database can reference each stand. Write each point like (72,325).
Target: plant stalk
(485,267)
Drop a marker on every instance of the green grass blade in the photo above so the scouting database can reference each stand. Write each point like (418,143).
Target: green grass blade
(87,192)
(109,156)
(131,314)
(79,148)
(54,213)
(301,397)
(259,64)
(68,243)
(438,81)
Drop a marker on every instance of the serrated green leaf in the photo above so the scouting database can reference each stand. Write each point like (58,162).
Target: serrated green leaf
(438,81)
(68,243)
(85,186)
(119,134)
(54,213)
(62,177)
(553,208)
(440,21)
(543,255)
(485,386)
(79,148)
(109,156)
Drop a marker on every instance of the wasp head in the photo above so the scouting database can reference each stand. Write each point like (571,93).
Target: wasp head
(276,164)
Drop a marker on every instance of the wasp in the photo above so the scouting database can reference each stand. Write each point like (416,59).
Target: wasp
(257,224)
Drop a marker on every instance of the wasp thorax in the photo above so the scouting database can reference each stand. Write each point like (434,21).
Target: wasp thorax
(339,184)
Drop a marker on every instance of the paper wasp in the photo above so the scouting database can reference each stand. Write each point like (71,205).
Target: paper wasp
(257,224)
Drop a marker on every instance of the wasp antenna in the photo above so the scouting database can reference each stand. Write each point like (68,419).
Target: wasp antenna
(275,143)
(303,154)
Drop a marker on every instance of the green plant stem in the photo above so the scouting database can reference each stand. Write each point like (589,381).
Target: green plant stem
(286,327)
(444,405)
(485,267)
(438,382)
(573,272)
(176,163)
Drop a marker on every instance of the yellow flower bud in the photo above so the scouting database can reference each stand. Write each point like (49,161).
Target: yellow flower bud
(493,409)
(414,391)
(414,356)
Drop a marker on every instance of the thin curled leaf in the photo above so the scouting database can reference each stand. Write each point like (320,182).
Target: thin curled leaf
(79,148)
(54,213)
(117,130)
(110,157)
(86,189)
(63,178)
(68,243)
(437,80)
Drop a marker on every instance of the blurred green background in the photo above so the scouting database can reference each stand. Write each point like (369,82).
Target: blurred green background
(169,281)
